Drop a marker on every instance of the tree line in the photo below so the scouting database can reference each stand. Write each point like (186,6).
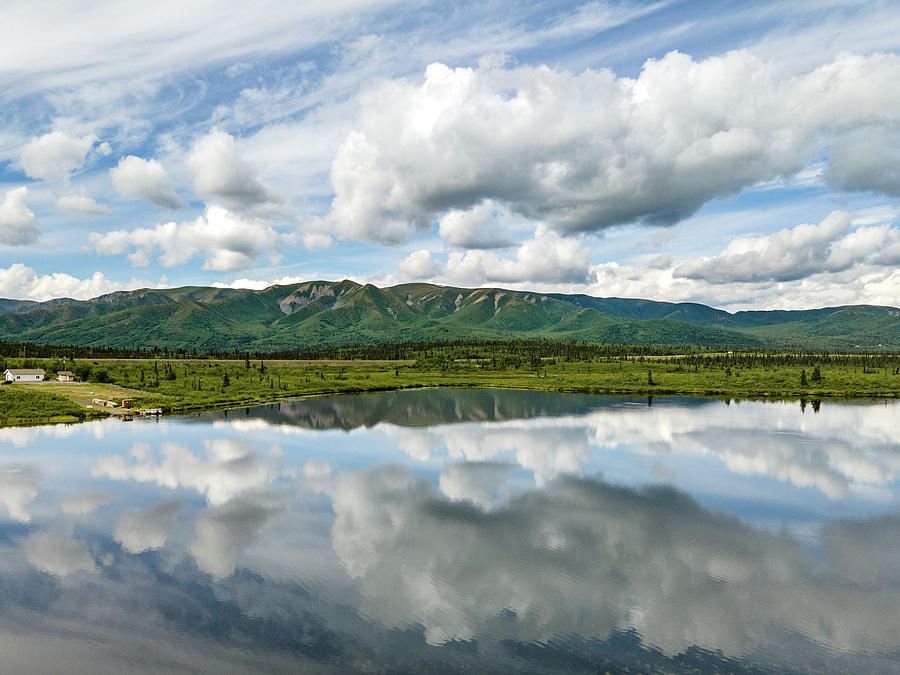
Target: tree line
(512,353)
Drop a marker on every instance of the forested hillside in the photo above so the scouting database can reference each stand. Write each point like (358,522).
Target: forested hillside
(333,313)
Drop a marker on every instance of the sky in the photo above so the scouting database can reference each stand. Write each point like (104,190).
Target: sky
(742,155)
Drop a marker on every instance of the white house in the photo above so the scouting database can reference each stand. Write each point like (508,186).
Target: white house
(65,376)
(24,375)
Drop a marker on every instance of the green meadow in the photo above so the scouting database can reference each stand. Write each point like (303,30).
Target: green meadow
(189,384)
(22,405)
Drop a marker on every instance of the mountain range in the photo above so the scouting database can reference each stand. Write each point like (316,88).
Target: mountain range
(344,312)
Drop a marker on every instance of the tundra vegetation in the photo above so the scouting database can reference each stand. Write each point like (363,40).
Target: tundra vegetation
(177,381)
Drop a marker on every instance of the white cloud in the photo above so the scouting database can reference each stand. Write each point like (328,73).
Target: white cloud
(865,283)
(222,176)
(258,284)
(584,152)
(58,553)
(146,530)
(82,204)
(229,468)
(137,178)
(651,559)
(547,258)
(419,265)
(475,482)
(593,17)
(139,258)
(842,260)
(18,225)
(866,160)
(786,255)
(55,155)
(797,253)
(317,241)
(851,450)
(227,240)
(18,488)
(83,504)
(147,42)
(474,228)
(223,533)
(556,448)
(845,26)
(21,281)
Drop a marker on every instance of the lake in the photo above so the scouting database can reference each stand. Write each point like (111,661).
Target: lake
(442,530)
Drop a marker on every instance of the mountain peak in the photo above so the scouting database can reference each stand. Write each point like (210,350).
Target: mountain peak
(321,312)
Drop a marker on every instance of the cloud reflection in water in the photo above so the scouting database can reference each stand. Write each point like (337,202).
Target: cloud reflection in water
(580,556)
(394,544)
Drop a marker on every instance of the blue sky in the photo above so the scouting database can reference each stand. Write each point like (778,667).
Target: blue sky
(744,155)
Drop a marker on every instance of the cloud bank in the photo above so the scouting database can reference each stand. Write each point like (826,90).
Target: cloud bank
(652,559)
(583,152)
(21,281)
(227,240)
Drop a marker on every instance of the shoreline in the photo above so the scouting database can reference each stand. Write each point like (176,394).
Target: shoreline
(183,386)
(62,416)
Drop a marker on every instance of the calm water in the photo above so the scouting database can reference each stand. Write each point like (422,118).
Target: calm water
(450,530)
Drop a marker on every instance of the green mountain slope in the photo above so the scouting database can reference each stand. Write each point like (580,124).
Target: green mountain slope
(344,312)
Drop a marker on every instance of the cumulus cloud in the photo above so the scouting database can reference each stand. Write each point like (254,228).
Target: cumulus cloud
(866,282)
(58,553)
(796,253)
(419,265)
(18,488)
(787,255)
(584,152)
(225,178)
(222,534)
(228,241)
(258,284)
(146,530)
(55,155)
(229,468)
(474,228)
(82,204)
(851,449)
(18,225)
(866,160)
(477,482)
(137,178)
(562,446)
(547,258)
(652,559)
(21,281)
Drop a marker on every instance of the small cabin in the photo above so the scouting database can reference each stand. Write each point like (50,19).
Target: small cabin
(104,403)
(65,376)
(127,403)
(24,375)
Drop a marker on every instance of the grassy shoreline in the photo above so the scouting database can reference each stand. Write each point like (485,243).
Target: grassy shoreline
(191,385)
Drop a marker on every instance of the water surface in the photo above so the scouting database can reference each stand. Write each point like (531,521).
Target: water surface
(449,530)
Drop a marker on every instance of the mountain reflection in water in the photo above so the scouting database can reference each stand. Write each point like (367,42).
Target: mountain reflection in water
(445,530)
